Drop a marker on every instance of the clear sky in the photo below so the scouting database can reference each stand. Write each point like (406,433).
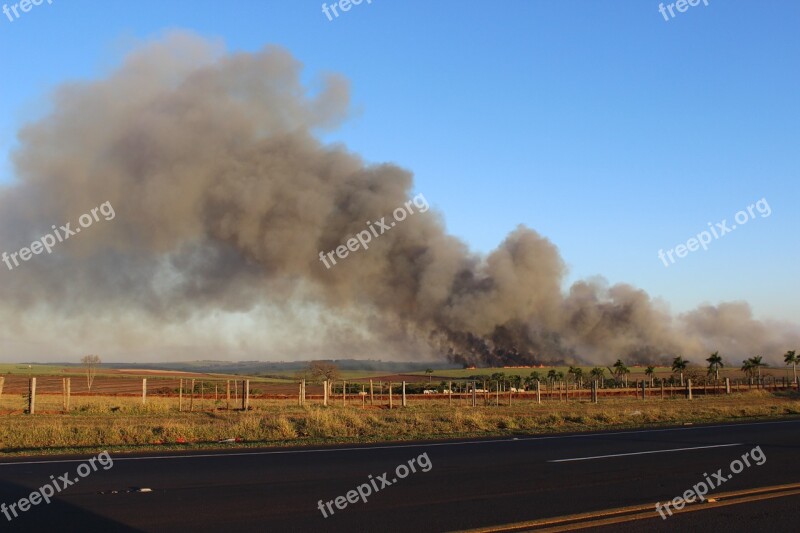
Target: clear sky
(608,129)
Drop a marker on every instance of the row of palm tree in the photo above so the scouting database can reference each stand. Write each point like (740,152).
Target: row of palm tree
(751,367)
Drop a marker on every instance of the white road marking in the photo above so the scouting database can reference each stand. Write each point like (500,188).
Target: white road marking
(417,445)
(643,453)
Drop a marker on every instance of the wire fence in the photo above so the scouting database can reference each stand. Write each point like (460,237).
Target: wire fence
(64,394)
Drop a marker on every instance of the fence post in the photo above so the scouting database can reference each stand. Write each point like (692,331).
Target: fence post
(246,394)
(450,393)
(66,384)
(300,393)
(390,395)
(304,392)
(594,391)
(497,395)
(344,393)
(180,396)
(538,391)
(644,392)
(404,394)
(191,398)
(325,393)
(32,396)
(144,391)
(371,394)
(2,381)
(689,388)
(727,385)
(227,395)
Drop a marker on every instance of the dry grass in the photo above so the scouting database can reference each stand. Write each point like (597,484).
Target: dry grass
(125,424)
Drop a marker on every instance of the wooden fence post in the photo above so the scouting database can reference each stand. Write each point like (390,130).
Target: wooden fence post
(497,395)
(538,391)
(727,385)
(689,388)
(662,389)
(325,393)
(191,398)
(245,394)
(67,391)
(404,394)
(594,391)
(390,395)
(371,394)
(2,381)
(32,396)
(450,393)
(180,396)
(227,395)
(300,393)
(644,392)
(344,393)
(144,391)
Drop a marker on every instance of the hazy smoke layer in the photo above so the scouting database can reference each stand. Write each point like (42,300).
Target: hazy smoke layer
(224,199)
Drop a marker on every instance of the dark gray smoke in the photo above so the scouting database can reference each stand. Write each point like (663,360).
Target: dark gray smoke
(224,198)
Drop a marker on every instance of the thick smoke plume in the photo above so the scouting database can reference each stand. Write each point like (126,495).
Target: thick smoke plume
(224,198)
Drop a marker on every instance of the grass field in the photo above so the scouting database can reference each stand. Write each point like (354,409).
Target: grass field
(124,424)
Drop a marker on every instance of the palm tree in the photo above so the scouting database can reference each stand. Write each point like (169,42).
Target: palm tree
(576,371)
(529,382)
(620,370)
(714,364)
(429,371)
(552,375)
(650,372)
(791,358)
(748,368)
(598,373)
(757,364)
(579,376)
(679,364)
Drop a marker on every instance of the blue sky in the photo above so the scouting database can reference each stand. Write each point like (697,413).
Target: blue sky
(609,130)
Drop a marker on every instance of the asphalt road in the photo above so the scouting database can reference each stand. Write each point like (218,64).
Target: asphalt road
(468,484)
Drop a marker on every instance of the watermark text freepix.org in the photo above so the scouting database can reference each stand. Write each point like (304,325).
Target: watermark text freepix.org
(49,241)
(681,5)
(699,490)
(364,237)
(366,489)
(703,239)
(56,485)
(23,5)
(343,5)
